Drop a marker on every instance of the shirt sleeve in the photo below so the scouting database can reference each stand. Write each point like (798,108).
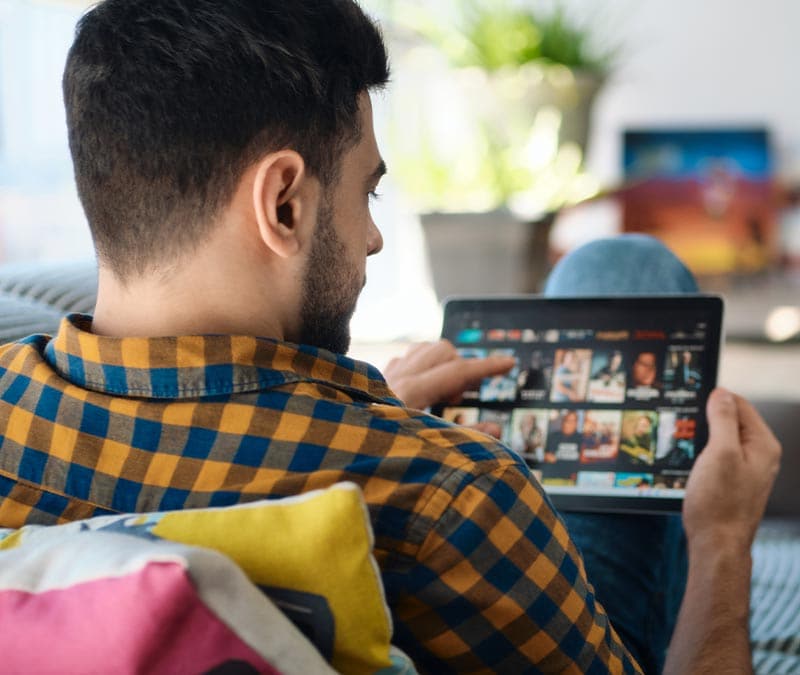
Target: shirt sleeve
(499,586)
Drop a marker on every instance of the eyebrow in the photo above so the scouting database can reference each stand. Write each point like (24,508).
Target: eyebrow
(377,173)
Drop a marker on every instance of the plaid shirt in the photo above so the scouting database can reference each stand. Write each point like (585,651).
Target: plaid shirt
(479,571)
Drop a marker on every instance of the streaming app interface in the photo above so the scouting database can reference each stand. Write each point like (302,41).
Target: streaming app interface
(606,402)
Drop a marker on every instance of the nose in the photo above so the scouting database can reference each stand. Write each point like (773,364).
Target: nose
(374,239)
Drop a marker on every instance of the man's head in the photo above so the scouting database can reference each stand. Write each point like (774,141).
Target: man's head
(172,104)
(345,235)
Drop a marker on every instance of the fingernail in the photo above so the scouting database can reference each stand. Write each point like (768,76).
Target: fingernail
(725,396)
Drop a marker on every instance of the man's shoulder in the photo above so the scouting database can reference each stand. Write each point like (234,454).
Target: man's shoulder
(434,439)
(31,346)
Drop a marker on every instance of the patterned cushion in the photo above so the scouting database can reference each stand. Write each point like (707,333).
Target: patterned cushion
(103,602)
(20,317)
(62,287)
(34,296)
(311,555)
(775,604)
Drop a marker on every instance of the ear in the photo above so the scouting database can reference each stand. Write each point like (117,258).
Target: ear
(282,201)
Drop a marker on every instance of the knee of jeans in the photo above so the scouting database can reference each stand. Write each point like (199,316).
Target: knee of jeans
(634,264)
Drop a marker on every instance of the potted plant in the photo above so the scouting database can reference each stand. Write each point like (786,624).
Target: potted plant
(493,145)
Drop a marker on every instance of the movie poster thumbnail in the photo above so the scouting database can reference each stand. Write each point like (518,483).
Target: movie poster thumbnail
(535,373)
(564,436)
(675,447)
(596,479)
(644,383)
(637,480)
(567,480)
(500,387)
(528,434)
(670,481)
(600,436)
(637,444)
(683,372)
(471,353)
(570,375)
(607,380)
(462,416)
(499,417)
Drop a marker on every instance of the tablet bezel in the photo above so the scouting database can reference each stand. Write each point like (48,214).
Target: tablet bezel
(711,307)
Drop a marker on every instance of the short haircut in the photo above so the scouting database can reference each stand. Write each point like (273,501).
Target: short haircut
(169,101)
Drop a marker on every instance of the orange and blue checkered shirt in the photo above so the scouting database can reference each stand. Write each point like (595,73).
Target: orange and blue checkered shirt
(479,571)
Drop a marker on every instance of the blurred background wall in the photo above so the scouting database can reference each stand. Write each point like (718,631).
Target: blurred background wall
(692,63)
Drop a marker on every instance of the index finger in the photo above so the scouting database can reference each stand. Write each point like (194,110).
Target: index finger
(452,378)
(427,355)
(477,369)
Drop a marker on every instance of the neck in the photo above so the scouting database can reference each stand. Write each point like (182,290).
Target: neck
(212,291)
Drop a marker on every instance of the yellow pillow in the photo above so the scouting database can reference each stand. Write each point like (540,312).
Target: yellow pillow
(311,554)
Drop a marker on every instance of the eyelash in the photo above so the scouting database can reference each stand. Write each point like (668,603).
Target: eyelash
(375,195)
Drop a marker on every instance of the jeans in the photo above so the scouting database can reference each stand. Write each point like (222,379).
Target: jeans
(636,563)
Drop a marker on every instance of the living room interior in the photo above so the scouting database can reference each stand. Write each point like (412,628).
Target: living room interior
(484,196)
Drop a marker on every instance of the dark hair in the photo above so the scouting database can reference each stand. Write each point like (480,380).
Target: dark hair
(169,101)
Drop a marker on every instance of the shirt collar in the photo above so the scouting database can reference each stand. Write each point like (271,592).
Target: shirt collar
(197,366)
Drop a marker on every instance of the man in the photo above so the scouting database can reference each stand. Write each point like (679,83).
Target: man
(686,376)
(564,442)
(225,157)
(612,370)
(527,439)
(644,370)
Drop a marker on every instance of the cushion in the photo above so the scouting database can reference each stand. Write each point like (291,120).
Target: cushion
(61,286)
(102,602)
(34,296)
(311,554)
(775,599)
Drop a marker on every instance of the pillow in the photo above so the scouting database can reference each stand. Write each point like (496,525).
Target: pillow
(775,599)
(311,555)
(101,602)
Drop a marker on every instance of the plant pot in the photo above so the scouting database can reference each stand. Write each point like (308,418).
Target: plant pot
(480,253)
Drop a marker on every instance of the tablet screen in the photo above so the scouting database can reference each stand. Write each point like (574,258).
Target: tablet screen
(606,403)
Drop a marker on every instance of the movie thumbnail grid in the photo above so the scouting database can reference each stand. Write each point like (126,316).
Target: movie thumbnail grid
(595,448)
(604,375)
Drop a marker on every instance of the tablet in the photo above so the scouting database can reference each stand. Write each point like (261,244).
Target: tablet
(606,403)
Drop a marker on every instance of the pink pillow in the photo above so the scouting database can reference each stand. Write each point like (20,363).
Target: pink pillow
(101,602)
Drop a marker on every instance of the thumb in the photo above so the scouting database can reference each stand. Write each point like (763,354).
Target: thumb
(723,420)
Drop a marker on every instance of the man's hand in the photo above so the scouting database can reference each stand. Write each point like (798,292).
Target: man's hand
(725,500)
(433,372)
(728,488)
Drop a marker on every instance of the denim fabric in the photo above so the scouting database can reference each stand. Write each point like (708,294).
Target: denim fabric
(636,563)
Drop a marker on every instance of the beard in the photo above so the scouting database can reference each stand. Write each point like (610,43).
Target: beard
(330,289)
